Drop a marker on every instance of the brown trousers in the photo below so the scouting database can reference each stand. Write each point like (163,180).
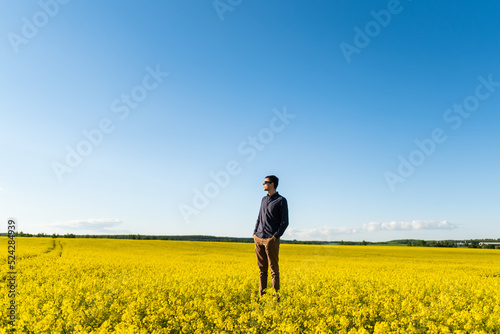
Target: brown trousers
(267,252)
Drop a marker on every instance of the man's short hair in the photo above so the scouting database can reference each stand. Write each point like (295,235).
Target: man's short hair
(274,180)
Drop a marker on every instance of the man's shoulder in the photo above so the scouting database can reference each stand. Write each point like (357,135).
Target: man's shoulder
(274,197)
(283,199)
(280,197)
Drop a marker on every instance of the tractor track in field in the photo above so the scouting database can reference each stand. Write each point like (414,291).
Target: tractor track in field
(55,246)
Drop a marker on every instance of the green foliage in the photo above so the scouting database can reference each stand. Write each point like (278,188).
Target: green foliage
(398,242)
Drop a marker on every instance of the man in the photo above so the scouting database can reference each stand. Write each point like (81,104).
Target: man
(271,224)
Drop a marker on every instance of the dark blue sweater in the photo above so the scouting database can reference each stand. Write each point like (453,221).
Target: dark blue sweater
(273,217)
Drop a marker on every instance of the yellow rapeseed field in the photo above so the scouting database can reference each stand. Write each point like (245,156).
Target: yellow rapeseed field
(139,286)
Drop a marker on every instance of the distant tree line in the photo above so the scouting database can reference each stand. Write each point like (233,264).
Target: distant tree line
(472,243)
(161,237)
(135,237)
(442,243)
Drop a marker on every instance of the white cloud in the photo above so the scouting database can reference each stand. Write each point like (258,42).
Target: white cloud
(328,231)
(321,232)
(413,225)
(93,225)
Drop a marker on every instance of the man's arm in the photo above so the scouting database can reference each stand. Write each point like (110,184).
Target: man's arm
(284,219)
(257,223)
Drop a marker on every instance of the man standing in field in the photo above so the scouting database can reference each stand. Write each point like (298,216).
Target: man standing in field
(271,224)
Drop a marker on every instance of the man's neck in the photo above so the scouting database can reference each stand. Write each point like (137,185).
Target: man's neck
(271,192)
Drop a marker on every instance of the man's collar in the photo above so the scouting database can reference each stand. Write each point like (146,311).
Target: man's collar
(273,195)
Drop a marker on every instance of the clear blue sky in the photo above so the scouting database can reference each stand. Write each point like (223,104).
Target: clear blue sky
(380,118)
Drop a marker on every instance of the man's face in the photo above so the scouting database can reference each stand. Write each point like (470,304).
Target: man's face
(267,184)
